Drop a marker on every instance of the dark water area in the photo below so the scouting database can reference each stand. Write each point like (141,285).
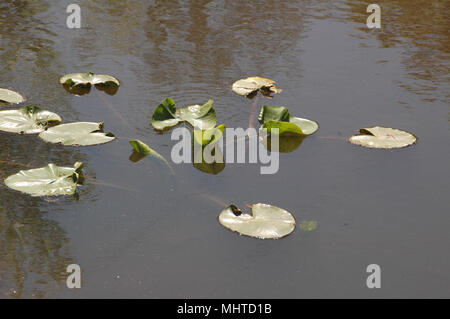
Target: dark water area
(136,231)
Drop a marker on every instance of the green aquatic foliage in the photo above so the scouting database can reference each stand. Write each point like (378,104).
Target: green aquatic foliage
(265,222)
(251,85)
(27,120)
(214,168)
(212,135)
(279,117)
(308,225)
(167,115)
(77,134)
(81,83)
(383,137)
(47,181)
(10,97)
(141,150)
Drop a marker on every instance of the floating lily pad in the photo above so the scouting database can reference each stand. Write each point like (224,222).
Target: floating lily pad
(212,135)
(286,143)
(167,115)
(279,117)
(266,221)
(253,84)
(47,181)
(27,120)
(80,133)
(80,83)
(11,97)
(383,137)
(141,150)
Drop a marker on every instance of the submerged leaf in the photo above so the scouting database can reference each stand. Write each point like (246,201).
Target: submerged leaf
(143,150)
(279,117)
(47,181)
(27,120)
(252,84)
(167,115)
(213,168)
(266,221)
(80,133)
(10,97)
(80,83)
(383,137)
(308,225)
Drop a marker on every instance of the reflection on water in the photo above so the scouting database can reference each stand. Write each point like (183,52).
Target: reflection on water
(421,29)
(192,51)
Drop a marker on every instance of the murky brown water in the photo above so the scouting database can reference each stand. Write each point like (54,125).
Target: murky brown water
(140,233)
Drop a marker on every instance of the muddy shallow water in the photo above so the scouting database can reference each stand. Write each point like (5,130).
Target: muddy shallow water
(138,232)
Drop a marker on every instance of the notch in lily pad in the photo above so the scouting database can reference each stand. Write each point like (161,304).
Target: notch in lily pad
(10,97)
(383,137)
(265,221)
(51,180)
(142,150)
(27,120)
(81,83)
(167,115)
(250,86)
(77,134)
(279,117)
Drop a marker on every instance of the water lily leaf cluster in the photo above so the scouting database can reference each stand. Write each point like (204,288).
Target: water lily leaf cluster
(51,180)
(383,137)
(253,84)
(77,134)
(10,97)
(279,117)
(167,115)
(265,221)
(27,120)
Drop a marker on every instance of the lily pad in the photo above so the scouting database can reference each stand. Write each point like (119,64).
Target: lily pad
(11,97)
(47,181)
(80,83)
(77,134)
(266,221)
(167,115)
(279,117)
(383,137)
(212,135)
(252,85)
(27,120)
(141,150)
(286,143)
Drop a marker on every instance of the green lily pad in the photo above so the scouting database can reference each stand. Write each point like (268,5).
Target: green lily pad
(279,117)
(212,135)
(286,143)
(167,115)
(383,137)
(80,83)
(77,134)
(141,150)
(266,221)
(11,97)
(47,181)
(253,84)
(27,120)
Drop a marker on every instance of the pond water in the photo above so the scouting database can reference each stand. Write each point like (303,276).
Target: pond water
(139,232)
